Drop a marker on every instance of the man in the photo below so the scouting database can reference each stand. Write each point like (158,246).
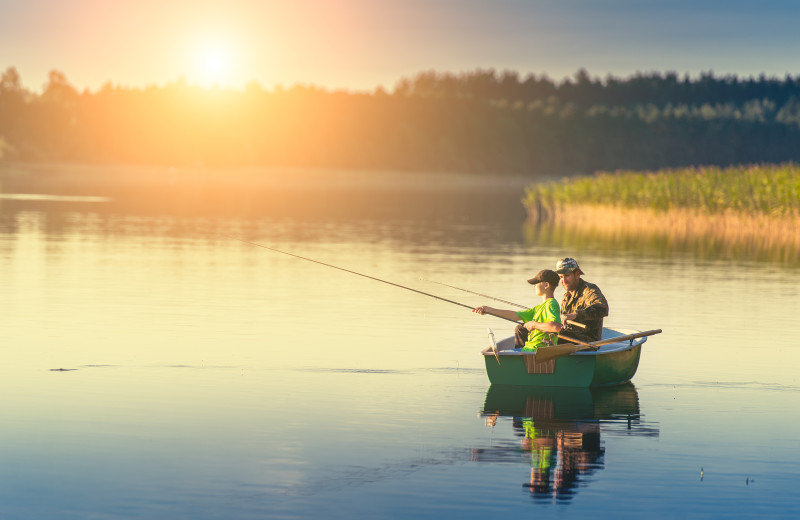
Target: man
(583,303)
(541,323)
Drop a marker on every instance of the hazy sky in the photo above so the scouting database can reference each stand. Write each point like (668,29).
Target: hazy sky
(361,44)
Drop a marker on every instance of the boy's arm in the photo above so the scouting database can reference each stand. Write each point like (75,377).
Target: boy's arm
(503,313)
(547,326)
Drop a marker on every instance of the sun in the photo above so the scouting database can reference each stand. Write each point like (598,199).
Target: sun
(214,65)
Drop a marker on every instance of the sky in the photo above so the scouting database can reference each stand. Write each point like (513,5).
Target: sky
(359,45)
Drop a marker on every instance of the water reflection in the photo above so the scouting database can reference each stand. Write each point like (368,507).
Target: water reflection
(243,384)
(282,206)
(260,193)
(557,431)
(707,246)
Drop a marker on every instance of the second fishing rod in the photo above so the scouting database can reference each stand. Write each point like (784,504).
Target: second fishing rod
(382,281)
(568,322)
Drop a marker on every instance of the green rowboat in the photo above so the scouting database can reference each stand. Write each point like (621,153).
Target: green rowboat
(611,363)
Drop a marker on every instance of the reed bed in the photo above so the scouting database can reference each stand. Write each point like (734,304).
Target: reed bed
(756,189)
(743,208)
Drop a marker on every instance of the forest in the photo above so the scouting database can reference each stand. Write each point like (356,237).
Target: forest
(481,121)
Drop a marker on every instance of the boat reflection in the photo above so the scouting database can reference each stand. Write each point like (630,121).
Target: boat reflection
(558,431)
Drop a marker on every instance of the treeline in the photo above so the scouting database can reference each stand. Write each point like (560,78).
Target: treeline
(482,121)
(584,91)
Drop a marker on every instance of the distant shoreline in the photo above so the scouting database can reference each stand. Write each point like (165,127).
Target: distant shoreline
(483,122)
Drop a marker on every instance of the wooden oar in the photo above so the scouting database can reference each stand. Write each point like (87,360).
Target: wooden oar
(563,349)
(574,324)
(573,340)
(597,344)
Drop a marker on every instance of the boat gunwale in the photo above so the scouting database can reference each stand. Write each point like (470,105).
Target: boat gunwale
(609,348)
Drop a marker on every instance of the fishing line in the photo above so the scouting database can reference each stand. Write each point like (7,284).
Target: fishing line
(364,275)
(567,322)
(477,294)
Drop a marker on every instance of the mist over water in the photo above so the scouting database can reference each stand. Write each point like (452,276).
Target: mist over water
(156,367)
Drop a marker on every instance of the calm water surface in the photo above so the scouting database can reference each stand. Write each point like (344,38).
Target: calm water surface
(156,368)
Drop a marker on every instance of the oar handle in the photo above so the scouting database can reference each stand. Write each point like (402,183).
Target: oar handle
(624,338)
(574,324)
(576,341)
(594,345)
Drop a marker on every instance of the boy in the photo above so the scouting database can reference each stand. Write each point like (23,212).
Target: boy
(542,322)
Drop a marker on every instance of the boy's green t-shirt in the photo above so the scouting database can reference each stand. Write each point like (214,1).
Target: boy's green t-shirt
(544,312)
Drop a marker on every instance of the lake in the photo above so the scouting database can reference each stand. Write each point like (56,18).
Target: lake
(157,367)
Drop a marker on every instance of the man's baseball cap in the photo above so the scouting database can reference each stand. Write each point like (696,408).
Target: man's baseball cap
(567,265)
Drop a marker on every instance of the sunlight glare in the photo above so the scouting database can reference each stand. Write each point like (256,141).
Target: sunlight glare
(214,65)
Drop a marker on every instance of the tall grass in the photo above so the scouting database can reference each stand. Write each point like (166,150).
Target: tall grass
(740,211)
(767,189)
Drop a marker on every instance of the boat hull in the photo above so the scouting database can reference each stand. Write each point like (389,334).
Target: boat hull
(610,365)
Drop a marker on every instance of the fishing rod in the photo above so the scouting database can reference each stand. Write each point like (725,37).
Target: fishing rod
(364,275)
(567,322)
(478,294)
(390,283)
